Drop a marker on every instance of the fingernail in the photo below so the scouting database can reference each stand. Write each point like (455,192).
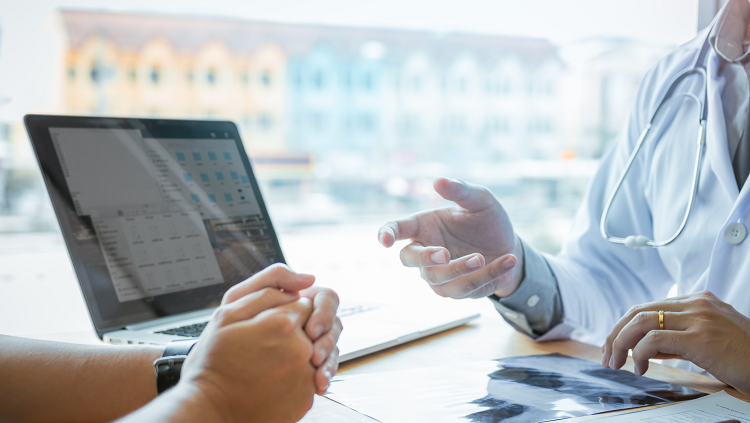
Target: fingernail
(602,348)
(380,237)
(612,362)
(636,371)
(304,301)
(510,262)
(473,262)
(327,374)
(323,354)
(318,331)
(438,257)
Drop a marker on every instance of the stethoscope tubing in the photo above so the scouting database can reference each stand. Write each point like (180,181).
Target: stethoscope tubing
(641,241)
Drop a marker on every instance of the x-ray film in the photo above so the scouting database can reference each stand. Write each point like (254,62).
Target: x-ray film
(513,390)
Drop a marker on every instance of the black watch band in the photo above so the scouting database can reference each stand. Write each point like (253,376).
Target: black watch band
(169,365)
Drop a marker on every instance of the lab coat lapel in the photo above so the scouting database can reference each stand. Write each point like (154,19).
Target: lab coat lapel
(716,131)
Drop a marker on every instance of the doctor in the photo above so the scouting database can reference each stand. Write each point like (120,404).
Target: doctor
(668,205)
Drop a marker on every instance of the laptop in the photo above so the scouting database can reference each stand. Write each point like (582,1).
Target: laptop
(161,217)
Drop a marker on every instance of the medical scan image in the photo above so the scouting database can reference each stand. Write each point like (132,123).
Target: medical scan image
(514,390)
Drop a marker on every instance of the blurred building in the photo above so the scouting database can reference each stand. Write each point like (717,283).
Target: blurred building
(319,90)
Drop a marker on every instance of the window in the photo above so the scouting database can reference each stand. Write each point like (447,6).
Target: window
(265,78)
(155,75)
(71,73)
(211,76)
(367,82)
(96,74)
(318,80)
(265,122)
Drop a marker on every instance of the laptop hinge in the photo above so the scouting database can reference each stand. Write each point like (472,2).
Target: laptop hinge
(171,319)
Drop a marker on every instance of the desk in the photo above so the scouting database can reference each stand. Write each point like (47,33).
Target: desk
(40,298)
(486,338)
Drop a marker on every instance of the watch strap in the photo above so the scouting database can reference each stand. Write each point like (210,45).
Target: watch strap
(169,366)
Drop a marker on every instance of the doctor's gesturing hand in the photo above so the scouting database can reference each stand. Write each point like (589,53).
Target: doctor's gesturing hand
(697,327)
(464,251)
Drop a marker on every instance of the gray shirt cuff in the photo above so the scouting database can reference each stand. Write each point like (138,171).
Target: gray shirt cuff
(535,306)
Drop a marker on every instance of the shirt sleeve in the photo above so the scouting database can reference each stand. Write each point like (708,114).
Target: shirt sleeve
(535,306)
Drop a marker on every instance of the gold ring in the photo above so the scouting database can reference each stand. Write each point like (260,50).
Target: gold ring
(661,319)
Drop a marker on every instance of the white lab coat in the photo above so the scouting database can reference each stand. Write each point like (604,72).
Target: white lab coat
(598,280)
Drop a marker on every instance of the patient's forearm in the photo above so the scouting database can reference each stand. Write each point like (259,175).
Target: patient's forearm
(51,381)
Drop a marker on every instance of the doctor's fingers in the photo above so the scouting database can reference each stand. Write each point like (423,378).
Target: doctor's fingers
(659,342)
(397,230)
(466,286)
(439,275)
(417,255)
(640,326)
(469,196)
(665,305)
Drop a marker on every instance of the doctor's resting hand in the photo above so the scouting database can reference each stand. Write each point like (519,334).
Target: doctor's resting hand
(464,251)
(698,327)
(268,349)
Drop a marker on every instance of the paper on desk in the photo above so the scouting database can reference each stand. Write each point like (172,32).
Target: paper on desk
(511,390)
(711,409)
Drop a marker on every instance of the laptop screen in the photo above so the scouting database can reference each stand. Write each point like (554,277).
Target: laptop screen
(161,217)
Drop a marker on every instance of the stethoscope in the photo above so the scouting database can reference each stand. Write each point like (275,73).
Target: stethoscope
(641,241)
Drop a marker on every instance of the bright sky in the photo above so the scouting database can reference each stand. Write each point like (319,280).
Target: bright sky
(31,45)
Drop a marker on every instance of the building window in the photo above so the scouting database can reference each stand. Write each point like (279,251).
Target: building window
(454,124)
(316,121)
(346,80)
(265,122)
(416,84)
(96,74)
(367,82)
(265,79)
(318,80)
(367,123)
(71,73)
(211,76)
(497,125)
(155,75)
(297,79)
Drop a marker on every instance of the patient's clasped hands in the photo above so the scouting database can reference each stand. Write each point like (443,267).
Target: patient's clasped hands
(268,349)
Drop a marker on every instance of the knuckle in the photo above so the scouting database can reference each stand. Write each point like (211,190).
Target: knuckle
(267,293)
(278,270)
(641,319)
(653,336)
(221,315)
(338,323)
(440,291)
(281,323)
(429,276)
(632,311)
(402,256)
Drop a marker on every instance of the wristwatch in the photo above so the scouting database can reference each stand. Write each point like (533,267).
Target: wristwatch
(169,365)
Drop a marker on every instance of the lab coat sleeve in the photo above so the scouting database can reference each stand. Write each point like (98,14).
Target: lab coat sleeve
(535,306)
(599,281)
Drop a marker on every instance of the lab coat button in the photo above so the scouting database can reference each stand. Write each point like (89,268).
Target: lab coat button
(735,233)
(532,301)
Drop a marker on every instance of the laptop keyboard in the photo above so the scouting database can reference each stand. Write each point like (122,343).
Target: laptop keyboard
(189,331)
(194,331)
